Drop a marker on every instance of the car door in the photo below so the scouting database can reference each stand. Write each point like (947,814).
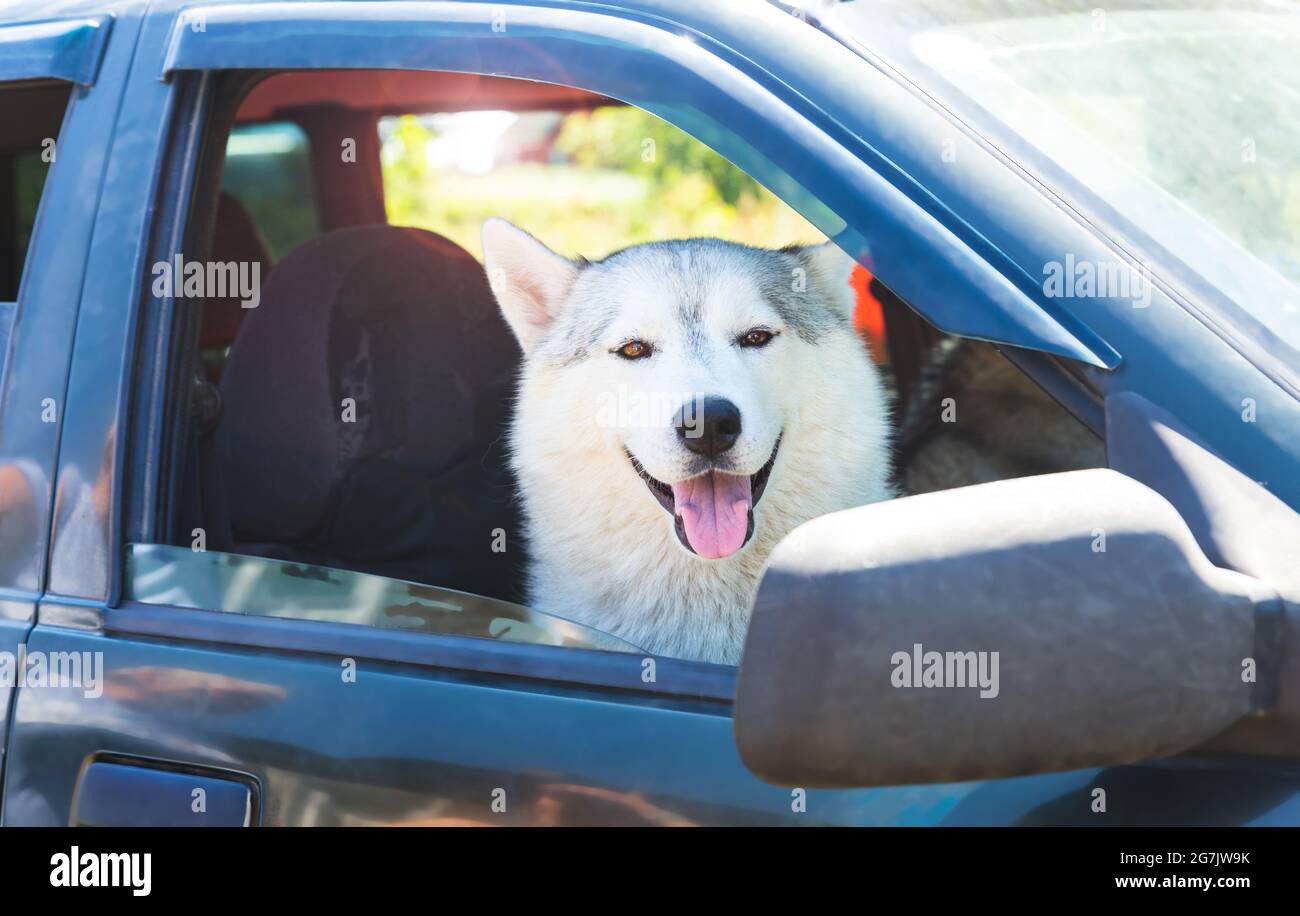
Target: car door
(197,715)
(304,722)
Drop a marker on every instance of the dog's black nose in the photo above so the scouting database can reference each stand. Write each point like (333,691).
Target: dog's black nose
(709,427)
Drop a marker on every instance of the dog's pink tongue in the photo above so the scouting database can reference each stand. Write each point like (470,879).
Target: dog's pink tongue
(715,512)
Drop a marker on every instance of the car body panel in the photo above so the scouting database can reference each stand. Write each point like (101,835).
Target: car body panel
(428,740)
(401,746)
(40,326)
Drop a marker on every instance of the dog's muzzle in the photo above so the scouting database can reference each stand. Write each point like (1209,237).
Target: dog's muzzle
(713,512)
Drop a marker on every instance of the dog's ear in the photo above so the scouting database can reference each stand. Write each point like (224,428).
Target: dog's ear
(529,280)
(828,269)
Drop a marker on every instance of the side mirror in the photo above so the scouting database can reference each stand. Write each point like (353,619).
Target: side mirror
(1024,626)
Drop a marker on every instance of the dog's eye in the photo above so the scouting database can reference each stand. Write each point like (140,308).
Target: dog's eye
(755,337)
(634,349)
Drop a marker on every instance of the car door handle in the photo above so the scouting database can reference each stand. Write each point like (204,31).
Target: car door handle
(113,793)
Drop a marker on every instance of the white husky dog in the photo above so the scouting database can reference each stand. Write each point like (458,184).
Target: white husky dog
(683,406)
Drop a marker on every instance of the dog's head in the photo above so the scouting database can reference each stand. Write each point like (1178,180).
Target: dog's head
(686,359)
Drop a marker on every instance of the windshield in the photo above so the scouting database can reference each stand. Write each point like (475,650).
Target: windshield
(1183,117)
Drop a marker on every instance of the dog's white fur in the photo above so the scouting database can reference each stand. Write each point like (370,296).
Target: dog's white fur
(603,551)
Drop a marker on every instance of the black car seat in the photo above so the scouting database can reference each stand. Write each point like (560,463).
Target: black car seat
(365,404)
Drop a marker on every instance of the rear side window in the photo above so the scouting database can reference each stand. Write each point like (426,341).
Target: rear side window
(269,171)
(31,114)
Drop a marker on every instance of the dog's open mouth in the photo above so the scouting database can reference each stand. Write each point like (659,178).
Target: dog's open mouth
(714,512)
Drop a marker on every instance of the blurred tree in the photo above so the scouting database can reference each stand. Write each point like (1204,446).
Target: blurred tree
(616,176)
(636,141)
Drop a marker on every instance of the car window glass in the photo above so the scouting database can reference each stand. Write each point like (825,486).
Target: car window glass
(268,169)
(183,577)
(31,115)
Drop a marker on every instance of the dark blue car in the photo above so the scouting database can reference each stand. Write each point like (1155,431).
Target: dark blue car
(213,613)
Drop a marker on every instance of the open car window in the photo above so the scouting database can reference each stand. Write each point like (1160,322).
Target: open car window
(348,444)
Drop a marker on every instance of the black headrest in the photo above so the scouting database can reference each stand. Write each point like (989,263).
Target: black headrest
(372,345)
